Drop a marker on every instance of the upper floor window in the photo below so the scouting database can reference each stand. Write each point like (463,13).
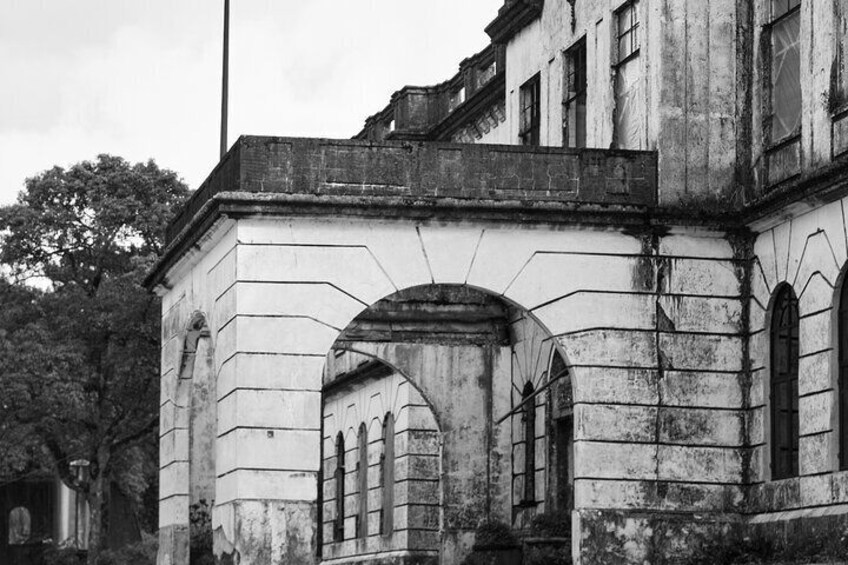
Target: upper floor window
(530,112)
(627,21)
(629,104)
(783,393)
(362,479)
(388,475)
(485,74)
(841,53)
(784,98)
(528,398)
(338,524)
(574,128)
(457,97)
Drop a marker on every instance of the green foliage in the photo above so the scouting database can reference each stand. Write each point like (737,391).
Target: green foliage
(545,554)
(494,535)
(64,556)
(79,334)
(551,525)
(760,548)
(141,553)
(200,533)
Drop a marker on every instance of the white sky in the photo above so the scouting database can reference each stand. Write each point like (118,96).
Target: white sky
(142,78)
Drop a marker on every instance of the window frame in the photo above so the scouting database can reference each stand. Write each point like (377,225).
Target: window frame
(839,95)
(528,421)
(574,95)
(387,476)
(783,465)
(529,130)
(842,375)
(338,523)
(362,480)
(618,66)
(772,143)
(633,29)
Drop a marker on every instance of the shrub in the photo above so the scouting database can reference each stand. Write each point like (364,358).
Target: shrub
(551,525)
(760,548)
(140,553)
(495,535)
(200,534)
(64,556)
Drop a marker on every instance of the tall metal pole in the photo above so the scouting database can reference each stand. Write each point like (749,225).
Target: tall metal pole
(225,78)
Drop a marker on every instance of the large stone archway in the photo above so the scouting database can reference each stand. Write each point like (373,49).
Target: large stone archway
(468,355)
(651,320)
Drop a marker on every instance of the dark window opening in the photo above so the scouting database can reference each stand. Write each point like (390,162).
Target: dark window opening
(530,112)
(388,475)
(842,384)
(338,524)
(362,476)
(529,421)
(574,130)
(784,385)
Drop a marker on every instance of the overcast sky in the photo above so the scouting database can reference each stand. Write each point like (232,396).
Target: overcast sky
(142,78)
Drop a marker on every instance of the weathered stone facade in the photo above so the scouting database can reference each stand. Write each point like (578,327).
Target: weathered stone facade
(581,330)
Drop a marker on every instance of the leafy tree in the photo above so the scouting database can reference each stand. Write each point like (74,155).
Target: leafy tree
(81,355)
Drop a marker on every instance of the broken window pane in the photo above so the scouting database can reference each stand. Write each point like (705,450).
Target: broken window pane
(786,77)
(628,106)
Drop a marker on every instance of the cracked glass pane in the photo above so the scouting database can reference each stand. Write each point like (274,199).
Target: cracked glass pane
(786,77)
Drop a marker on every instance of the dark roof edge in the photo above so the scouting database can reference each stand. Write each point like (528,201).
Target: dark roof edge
(512,17)
(371,369)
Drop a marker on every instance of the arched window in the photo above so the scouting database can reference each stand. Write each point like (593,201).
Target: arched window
(362,478)
(842,384)
(20,526)
(338,525)
(561,480)
(783,394)
(388,475)
(529,420)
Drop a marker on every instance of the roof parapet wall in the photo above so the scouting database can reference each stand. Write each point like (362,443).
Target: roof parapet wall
(427,171)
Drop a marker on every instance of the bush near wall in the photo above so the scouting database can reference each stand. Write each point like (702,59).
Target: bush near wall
(777,544)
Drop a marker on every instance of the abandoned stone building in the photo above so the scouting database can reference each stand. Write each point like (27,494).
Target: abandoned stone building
(597,277)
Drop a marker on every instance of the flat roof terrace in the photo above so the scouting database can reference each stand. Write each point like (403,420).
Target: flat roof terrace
(356,173)
(416,180)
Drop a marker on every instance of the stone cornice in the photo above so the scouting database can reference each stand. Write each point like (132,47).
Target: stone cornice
(512,17)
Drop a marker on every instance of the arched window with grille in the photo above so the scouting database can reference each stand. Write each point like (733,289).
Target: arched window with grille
(388,475)
(338,525)
(783,389)
(842,382)
(362,480)
(528,398)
